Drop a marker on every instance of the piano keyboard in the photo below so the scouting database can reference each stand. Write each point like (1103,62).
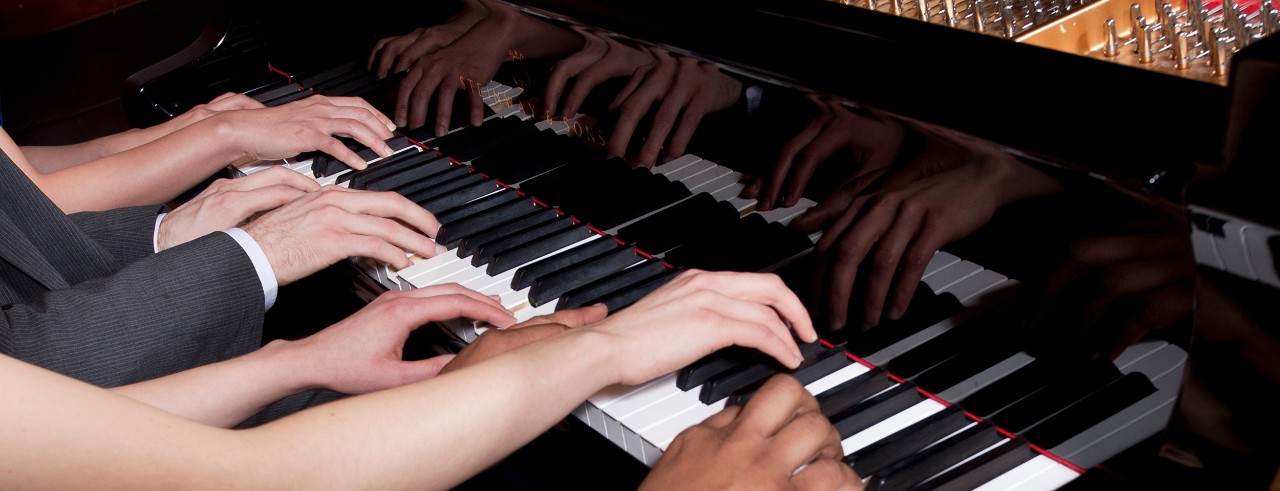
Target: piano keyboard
(923,402)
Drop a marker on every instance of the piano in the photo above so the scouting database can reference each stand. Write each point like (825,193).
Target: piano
(1047,346)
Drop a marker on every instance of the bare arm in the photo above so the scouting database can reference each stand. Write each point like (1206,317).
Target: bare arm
(431,434)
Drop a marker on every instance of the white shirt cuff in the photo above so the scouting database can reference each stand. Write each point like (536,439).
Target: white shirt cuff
(155,234)
(260,264)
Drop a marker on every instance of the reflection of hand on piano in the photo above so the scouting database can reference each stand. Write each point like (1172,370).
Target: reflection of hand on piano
(228,203)
(498,341)
(600,59)
(1114,289)
(362,353)
(332,224)
(874,141)
(396,54)
(684,90)
(899,216)
(759,446)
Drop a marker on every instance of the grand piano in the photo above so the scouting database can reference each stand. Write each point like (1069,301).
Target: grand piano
(1091,306)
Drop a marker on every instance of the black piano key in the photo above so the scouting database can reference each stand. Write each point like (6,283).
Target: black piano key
(1013,387)
(913,470)
(347,87)
(312,80)
(669,228)
(872,458)
(579,296)
(396,143)
(326,87)
(540,217)
(299,95)
(488,221)
(981,469)
(1067,389)
(462,196)
(703,369)
(400,172)
(969,335)
(825,362)
(516,136)
(621,299)
(527,274)
(756,369)
(515,165)
(1091,410)
(769,245)
(876,409)
(554,285)
(925,309)
(853,391)
(575,179)
(955,370)
(322,165)
(274,93)
(505,261)
(487,251)
(452,171)
(475,208)
(465,180)
(453,142)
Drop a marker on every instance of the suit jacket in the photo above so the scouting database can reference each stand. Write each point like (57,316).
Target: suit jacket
(84,295)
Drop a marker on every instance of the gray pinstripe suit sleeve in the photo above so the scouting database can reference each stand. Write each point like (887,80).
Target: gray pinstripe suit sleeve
(126,233)
(191,305)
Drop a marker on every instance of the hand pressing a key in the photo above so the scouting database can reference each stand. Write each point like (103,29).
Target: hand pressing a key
(396,54)
(761,445)
(228,203)
(601,58)
(323,227)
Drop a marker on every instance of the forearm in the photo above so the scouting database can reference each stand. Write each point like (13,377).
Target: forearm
(437,433)
(151,173)
(226,393)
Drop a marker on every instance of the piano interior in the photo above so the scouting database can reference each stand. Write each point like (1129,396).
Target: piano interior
(1090,211)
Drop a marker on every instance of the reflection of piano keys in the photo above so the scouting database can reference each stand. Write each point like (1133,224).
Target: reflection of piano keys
(895,396)
(1237,246)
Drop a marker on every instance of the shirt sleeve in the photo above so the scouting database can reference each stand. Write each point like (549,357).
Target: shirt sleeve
(261,265)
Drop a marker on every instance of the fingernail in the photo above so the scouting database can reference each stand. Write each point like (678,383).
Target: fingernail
(441,249)
(441,130)
(391,126)
(495,298)
(361,166)
(895,313)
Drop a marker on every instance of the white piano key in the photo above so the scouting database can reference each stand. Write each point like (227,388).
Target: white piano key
(447,259)
(837,377)
(1231,248)
(975,285)
(690,170)
(786,215)
(1256,243)
(662,435)
(612,394)
(714,187)
(729,192)
(744,205)
(531,312)
(676,164)
(986,377)
(1138,351)
(939,261)
(890,425)
(1039,473)
(664,407)
(1205,249)
(952,275)
(696,182)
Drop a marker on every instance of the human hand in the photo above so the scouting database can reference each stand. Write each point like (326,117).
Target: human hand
(688,90)
(498,341)
(283,131)
(396,54)
(874,141)
(1114,289)
(758,446)
(601,58)
(898,217)
(227,203)
(364,352)
(705,311)
(323,227)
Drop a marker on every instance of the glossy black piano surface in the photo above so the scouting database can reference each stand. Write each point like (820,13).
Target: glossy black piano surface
(1058,314)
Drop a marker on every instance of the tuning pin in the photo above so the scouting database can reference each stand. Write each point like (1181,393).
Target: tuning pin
(1010,24)
(922,9)
(950,9)
(1271,21)
(1241,32)
(1135,21)
(1170,24)
(979,22)
(1112,46)
(1145,50)
(896,5)
(1037,12)
(1181,53)
(1193,10)
(1220,57)
(871,4)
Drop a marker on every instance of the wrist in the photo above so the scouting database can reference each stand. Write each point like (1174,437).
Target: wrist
(289,361)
